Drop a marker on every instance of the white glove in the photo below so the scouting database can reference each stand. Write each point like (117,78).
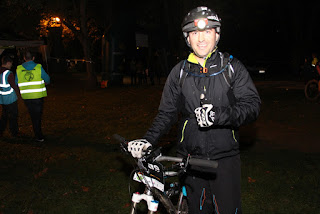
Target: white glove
(205,115)
(137,147)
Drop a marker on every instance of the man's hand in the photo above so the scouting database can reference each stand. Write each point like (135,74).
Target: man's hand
(137,147)
(205,115)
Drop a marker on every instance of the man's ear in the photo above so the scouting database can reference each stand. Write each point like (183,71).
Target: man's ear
(217,37)
(188,39)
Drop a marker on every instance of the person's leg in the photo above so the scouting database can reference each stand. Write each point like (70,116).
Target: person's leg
(198,195)
(3,120)
(226,187)
(35,107)
(13,118)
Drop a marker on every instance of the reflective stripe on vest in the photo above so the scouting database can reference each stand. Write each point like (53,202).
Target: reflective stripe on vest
(31,85)
(7,94)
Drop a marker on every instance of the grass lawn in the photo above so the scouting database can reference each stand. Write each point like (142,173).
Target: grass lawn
(81,170)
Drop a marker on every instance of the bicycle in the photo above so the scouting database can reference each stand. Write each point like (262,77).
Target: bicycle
(311,90)
(153,175)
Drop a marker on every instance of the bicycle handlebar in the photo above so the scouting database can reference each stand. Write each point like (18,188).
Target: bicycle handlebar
(192,161)
(203,163)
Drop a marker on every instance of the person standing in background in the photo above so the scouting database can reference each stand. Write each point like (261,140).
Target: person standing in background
(8,97)
(32,80)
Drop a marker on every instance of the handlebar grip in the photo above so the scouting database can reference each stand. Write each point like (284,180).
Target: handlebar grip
(203,163)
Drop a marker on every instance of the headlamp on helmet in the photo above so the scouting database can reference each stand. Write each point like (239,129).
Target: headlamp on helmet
(201,23)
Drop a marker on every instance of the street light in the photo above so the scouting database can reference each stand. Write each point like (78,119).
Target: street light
(55,22)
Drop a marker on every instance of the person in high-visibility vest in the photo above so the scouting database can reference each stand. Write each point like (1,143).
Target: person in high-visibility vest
(8,97)
(32,80)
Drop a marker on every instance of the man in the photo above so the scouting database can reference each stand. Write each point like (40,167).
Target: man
(8,97)
(31,79)
(213,104)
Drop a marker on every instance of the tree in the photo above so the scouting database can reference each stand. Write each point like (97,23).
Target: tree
(82,34)
(20,18)
(73,14)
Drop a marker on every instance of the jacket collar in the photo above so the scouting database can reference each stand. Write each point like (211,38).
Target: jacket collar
(211,56)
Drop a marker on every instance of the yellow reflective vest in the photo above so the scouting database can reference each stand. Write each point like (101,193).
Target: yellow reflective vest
(30,83)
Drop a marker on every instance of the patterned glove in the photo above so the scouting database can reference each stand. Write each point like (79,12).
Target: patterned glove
(137,147)
(205,115)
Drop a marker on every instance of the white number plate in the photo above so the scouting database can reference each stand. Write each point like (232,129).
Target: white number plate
(147,180)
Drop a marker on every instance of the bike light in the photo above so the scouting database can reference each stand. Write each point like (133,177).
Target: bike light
(201,23)
(262,71)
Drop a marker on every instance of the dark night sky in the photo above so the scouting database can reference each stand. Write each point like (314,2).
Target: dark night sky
(257,29)
(251,29)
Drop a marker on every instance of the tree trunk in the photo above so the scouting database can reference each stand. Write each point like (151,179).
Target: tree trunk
(86,45)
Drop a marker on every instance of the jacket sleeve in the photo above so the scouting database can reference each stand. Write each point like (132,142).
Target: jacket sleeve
(168,108)
(247,106)
(13,85)
(45,76)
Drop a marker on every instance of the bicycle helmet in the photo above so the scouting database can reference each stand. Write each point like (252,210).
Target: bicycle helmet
(200,18)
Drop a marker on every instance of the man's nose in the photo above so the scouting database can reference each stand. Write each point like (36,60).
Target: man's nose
(201,36)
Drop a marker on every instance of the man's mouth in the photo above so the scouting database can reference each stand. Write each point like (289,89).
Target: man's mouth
(202,46)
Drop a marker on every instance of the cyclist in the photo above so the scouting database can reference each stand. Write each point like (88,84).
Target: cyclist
(212,111)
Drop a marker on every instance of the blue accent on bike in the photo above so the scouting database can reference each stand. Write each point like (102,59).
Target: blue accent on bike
(236,211)
(155,201)
(184,191)
(231,57)
(201,198)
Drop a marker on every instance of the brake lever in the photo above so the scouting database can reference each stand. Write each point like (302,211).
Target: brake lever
(152,154)
(184,164)
(124,148)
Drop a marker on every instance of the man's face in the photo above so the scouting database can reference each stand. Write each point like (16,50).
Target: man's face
(8,65)
(203,42)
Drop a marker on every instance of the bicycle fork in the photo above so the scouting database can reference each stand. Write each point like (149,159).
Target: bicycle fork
(146,196)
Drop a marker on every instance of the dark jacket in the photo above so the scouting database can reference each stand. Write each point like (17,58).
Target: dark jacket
(221,139)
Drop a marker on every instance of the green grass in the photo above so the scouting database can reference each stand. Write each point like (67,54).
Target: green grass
(81,170)
(94,180)
(281,182)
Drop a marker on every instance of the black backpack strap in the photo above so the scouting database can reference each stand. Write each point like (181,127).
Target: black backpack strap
(183,73)
(227,75)
(226,59)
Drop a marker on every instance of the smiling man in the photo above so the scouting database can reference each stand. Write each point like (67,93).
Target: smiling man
(214,94)
(202,43)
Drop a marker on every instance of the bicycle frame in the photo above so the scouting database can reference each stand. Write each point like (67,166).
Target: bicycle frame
(152,174)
